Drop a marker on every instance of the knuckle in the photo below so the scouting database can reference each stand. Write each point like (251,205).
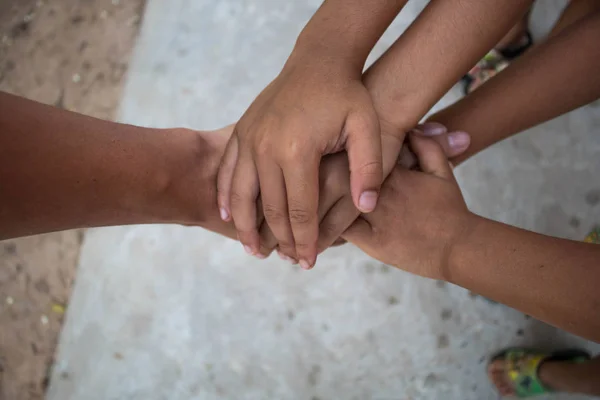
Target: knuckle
(373,168)
(296,150)
(302,247)
(263,147)
(300,216)
(274,214)
(236,198)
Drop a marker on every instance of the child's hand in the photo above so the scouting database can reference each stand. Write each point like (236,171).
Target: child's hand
(421,216)
(336,211)
(311,109)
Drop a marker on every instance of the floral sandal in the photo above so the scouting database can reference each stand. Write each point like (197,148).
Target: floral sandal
(494,62)
(521,367)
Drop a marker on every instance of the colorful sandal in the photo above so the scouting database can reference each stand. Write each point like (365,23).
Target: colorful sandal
(522,366)
(494,62)
(593,236)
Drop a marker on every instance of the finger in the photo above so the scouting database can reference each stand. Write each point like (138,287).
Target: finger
(359,233)
(264,233)
(302,183)
(364,155)
(432,128)
(341,215)
(225,177)
(243,196)
(453,143)
(275,204)
(432,159)
(268,243)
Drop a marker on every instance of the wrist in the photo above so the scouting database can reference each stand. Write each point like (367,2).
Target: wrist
(180,184)
(397,112)
(457,263)
(331,53)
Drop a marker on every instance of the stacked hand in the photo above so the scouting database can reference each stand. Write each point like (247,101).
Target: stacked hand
(420,218)
(311,109)
(336,209)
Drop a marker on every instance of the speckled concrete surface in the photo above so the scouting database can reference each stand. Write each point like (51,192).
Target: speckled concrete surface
(166,312)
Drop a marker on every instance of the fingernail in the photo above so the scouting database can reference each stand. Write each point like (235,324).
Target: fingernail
(304,264)
(248,250)
(367,201)
(432,129)
(224,214)
(285,258)
(260,256)
(459,140)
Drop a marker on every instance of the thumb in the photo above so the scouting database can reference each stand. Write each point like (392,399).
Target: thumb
(453,143)
(432,159)
(364,156)
(359,233)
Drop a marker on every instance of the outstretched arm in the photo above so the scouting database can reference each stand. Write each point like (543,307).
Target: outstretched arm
(423,226)
(61,170)
(550,80)
(443,43)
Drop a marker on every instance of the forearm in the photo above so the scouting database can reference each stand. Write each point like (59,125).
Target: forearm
(61,170)
(447,39)
(346,30)
(552,79)
(554,280)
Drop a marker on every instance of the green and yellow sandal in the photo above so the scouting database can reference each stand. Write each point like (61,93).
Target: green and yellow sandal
(521,366)
(593,236)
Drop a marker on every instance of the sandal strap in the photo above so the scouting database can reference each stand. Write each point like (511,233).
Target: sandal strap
(521,369)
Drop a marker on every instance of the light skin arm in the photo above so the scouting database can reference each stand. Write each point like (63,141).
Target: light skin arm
(434,52)
(555,77)
(423,226)
(61,170)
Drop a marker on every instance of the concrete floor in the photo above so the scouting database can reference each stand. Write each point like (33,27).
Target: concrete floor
(167,312)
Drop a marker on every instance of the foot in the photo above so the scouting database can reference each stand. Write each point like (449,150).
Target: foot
(550,375)
(499,376)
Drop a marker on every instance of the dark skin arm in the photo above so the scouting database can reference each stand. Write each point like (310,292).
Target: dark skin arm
(61,170)
(423,226)
(550,80)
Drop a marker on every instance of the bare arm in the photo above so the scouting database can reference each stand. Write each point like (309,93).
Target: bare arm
(554,280)
(345,31)
(552,79)
(423,226)
(61,170)
(444,42)
(436,50)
